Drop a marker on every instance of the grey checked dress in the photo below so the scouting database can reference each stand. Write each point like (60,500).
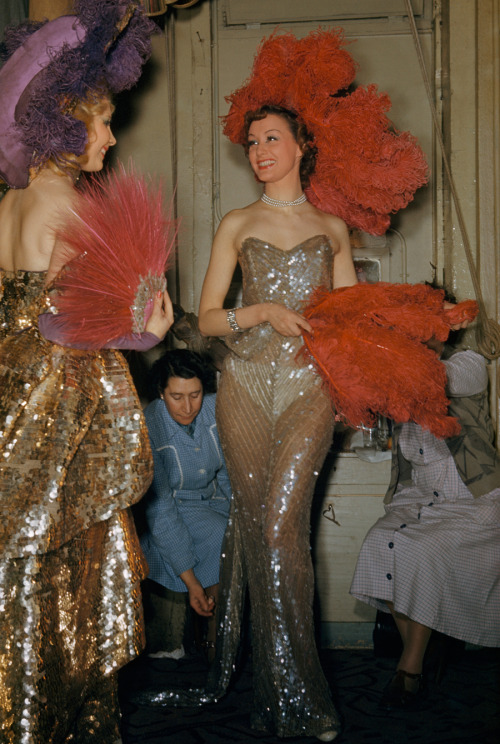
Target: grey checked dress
(436,552)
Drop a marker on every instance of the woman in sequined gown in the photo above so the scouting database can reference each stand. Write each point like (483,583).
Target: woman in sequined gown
(275,424)
(74,456)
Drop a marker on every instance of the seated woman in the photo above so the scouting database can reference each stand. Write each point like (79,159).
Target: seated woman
(433,560)
(187,506)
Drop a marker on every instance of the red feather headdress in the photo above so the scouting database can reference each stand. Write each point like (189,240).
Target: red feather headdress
(368,345)
(365,169)
(118,242)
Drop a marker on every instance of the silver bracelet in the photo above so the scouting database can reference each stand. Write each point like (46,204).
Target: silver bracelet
(233,323)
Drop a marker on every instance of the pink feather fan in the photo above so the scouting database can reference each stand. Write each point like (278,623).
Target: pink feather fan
(368,344)
(117,243)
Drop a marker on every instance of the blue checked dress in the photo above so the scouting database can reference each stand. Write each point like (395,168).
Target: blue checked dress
(187,505)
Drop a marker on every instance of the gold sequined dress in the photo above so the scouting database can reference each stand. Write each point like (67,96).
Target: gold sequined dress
(275,425)
(74,454)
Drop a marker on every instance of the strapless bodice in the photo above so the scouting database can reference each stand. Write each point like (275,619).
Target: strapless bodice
(286,277)
(271,274)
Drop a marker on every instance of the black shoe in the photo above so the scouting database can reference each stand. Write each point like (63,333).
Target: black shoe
(396,696)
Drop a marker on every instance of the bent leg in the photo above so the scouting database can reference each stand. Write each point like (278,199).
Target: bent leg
(415,637)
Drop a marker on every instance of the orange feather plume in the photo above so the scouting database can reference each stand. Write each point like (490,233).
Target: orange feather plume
(365,169)
(368,344)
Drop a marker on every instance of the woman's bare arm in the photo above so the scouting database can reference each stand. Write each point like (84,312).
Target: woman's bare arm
(344,273)
(212,317)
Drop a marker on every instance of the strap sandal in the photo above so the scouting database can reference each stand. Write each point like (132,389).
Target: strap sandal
(398,696)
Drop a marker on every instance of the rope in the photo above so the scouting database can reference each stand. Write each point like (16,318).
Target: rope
(488,330)
(171,88)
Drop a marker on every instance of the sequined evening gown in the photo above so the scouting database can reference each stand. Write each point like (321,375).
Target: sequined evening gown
(275,425)
(74,454)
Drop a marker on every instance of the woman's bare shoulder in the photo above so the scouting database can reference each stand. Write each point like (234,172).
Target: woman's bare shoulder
(237,217)
(332,226)
(235,223)
(30,217)
(51,189)
(335,224)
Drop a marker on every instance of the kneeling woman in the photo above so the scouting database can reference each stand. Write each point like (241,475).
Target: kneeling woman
(187,506)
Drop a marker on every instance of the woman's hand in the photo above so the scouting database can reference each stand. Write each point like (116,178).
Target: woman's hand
(285,321)
(162,315)
(200,603)
(198,599)
(462,323)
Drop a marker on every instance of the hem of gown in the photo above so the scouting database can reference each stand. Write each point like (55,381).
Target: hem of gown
(196,697)
(259,724)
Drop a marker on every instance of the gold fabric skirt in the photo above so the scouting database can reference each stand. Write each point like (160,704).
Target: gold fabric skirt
(74,454)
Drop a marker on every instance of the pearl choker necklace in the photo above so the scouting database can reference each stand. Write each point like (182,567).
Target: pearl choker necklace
(278,203)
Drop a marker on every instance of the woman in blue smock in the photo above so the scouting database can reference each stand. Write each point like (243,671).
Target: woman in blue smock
(187,506)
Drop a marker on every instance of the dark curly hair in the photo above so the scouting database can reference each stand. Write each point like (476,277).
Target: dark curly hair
(182,363)
(300,132)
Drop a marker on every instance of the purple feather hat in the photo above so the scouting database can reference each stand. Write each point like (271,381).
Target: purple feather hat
(50,65)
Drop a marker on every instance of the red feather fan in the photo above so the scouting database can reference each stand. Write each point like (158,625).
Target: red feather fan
(368,344)
(118,243)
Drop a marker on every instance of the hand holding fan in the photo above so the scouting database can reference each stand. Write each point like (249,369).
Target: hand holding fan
(368,344)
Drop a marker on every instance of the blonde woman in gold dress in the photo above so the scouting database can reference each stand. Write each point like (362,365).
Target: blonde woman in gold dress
(74,451)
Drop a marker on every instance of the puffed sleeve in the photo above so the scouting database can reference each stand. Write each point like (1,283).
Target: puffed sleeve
(51,329)
(466,374)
